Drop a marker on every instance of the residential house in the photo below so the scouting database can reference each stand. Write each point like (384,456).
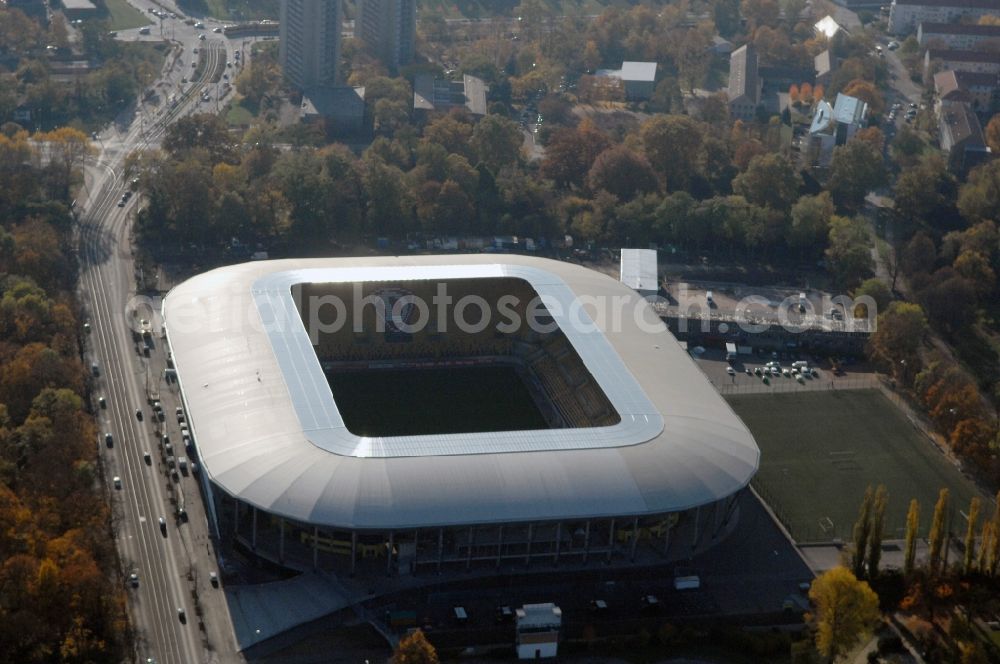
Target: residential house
(825,64)
(906,15)
(983,62)
(980,91)
(958,36)
(638,79)
(961,136)
(341,109)
(439,94)
(828,27)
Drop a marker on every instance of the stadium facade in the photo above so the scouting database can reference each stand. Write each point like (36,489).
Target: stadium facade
(627,444)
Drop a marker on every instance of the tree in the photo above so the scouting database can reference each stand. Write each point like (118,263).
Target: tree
(993,134)
(496,141)
(623,173)
(876,531)
(970,536)
(769,181)
(895,344)
(925,195)
(878,291)
(979,197)
(760,12)
(938,534)
(727,17)
(912,529)
(862,530)
(867,92)
(846,610)
(848,255)
(672,144)
(415,649)
(811,222)
(919,255)
(570,153)
(856,169)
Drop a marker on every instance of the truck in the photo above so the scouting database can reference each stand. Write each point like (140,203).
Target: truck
(730,352)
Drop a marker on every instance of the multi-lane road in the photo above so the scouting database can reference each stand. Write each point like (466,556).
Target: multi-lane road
(173,562)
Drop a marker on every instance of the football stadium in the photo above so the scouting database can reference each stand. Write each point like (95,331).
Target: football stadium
(403,414)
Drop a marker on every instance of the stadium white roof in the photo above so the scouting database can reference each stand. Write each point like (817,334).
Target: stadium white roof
(269,433)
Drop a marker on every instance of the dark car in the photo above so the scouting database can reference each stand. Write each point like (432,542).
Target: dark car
(138,414)
(108,440)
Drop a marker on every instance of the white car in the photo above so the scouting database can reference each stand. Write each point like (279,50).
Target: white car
(118,482)
(730,371)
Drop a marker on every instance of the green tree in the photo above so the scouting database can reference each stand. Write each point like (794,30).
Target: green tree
(810,226)
(727,17)
(979,197)
(415,649)
(497,141)
(856,169)
(925,195)
(848,254)
(862,531)
(846,611)
(938,534)
(878,291)
(895,344)
(769,181)
(912,529)
(877,530)
(969,558)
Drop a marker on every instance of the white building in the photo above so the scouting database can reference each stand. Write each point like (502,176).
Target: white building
(538,630)
(638,270)
(906,15)
(835,125)
(638,79)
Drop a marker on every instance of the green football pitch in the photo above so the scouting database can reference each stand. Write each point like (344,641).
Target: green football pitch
(821,449)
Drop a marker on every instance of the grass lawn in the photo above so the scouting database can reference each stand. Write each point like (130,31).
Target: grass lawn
(238,115)
(820,450)
(242,9)
(123,16)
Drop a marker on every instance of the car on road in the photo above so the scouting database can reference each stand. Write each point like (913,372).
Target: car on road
(138,414)
(217,31)
(133,579)
(213,578)
(730,371)
(118,482)
(163,526)
(181,615)
(201,37)
(893,45)
(108,440)
(199,25)
(143,31)
(94,369)
(147,458)
(102,403)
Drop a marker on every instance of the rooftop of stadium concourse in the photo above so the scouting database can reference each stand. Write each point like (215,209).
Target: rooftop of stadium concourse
(269,433)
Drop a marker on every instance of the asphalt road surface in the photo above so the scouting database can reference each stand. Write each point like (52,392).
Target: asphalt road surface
(172,562)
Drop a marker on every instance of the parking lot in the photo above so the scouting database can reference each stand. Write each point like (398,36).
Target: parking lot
(849,373)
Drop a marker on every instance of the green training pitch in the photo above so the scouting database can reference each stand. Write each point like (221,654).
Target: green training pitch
(122,16)
(820,450)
